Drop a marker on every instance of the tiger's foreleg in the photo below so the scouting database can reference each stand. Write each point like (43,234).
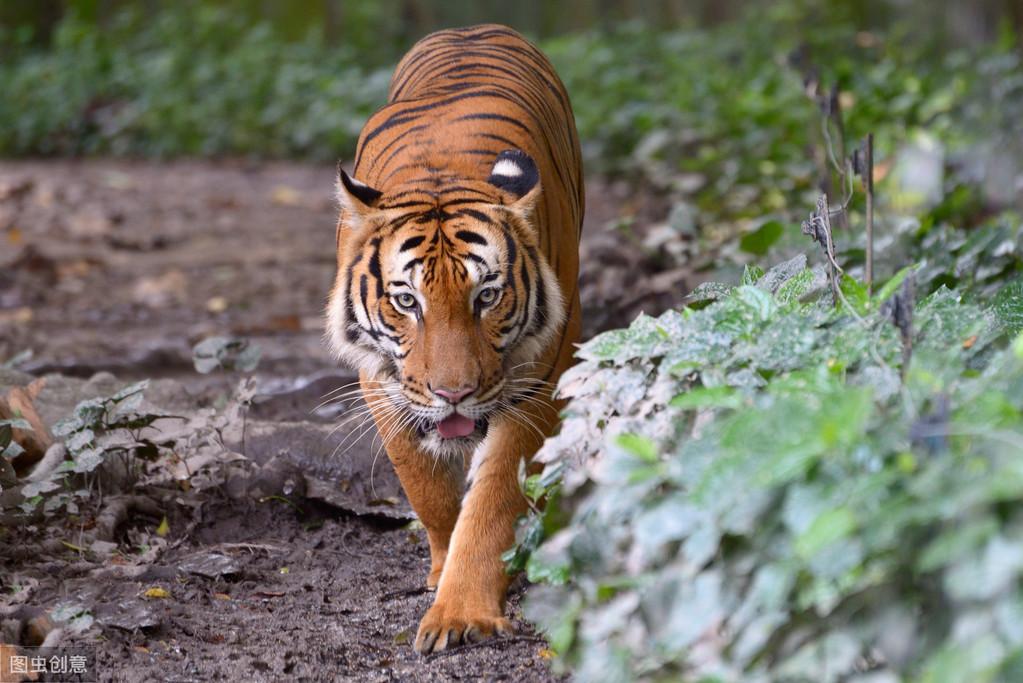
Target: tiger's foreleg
(471,594)
(433,487)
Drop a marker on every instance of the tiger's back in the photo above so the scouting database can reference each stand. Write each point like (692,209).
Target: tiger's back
(457,99)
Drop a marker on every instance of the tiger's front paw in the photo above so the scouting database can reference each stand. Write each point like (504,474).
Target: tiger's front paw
(448,625)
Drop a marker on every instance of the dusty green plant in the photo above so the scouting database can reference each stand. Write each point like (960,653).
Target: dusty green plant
(760,489)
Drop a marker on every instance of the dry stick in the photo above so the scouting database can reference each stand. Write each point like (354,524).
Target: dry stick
(867,174)
(835,114)
(818,227)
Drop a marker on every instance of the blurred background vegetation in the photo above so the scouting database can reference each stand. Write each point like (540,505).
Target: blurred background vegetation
(297,79)
(704,103)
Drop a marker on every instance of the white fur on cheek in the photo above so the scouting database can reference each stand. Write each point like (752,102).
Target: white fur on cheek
(353,355)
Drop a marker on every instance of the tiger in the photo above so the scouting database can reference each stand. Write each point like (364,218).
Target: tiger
(456,297)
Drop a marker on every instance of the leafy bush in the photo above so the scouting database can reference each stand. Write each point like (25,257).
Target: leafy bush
(97,430)
(721,115)
(717,112)
(185,81)
(772,488)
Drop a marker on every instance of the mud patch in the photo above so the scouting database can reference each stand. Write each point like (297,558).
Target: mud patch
(267,592)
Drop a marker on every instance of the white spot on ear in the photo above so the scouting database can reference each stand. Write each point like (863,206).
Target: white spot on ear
(507,168)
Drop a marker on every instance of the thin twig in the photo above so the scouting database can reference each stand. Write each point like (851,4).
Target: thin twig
(867,175)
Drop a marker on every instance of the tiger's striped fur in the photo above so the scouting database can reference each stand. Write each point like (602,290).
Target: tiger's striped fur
(456,295)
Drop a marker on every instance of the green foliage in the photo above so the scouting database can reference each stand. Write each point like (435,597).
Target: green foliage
(720,114)
(97,430)
(9,450)
(185,81)
(226,353)
(761,489)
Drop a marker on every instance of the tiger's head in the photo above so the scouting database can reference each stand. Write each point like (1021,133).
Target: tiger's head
(444,298)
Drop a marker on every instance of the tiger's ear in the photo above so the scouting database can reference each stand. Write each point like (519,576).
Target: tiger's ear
(515,173)
(356,198)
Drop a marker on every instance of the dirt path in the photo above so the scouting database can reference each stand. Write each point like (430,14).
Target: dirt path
(121,267)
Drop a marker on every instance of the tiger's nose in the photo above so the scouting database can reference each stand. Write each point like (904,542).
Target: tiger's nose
(452,396)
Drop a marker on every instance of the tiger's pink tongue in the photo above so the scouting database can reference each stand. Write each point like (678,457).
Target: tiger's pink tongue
(455,425)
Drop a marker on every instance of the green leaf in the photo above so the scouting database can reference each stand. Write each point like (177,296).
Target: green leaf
(760,302)
(798,286)
(706,292)
(16,423)
(35,488)
(829,527)
(750,274)
(80,440)
(722,396)
(889,288)
(1008,308)
(130,391)
(538,570)
(956,543)
(227,353)
(639,446)
(855,293)
(88,460)
(533,487)
(760,240)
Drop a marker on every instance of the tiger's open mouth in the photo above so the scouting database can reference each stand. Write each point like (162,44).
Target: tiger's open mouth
(456,426)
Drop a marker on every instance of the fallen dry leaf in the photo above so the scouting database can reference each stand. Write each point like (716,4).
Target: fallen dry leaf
(17,316)
(286,196)
(216,304)
(162,290)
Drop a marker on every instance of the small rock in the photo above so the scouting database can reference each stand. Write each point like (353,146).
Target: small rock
(211,565)
(278,477)
(128,615)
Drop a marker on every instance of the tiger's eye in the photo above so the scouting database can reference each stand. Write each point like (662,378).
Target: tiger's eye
(487,296)
(405,300)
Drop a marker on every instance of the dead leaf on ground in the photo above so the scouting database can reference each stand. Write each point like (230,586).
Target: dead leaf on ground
(162,290)
(216,304)
(286,196)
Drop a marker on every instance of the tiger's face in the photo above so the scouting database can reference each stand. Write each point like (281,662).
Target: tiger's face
(445,300)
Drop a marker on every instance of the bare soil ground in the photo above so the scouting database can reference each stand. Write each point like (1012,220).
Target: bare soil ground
(120,267)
